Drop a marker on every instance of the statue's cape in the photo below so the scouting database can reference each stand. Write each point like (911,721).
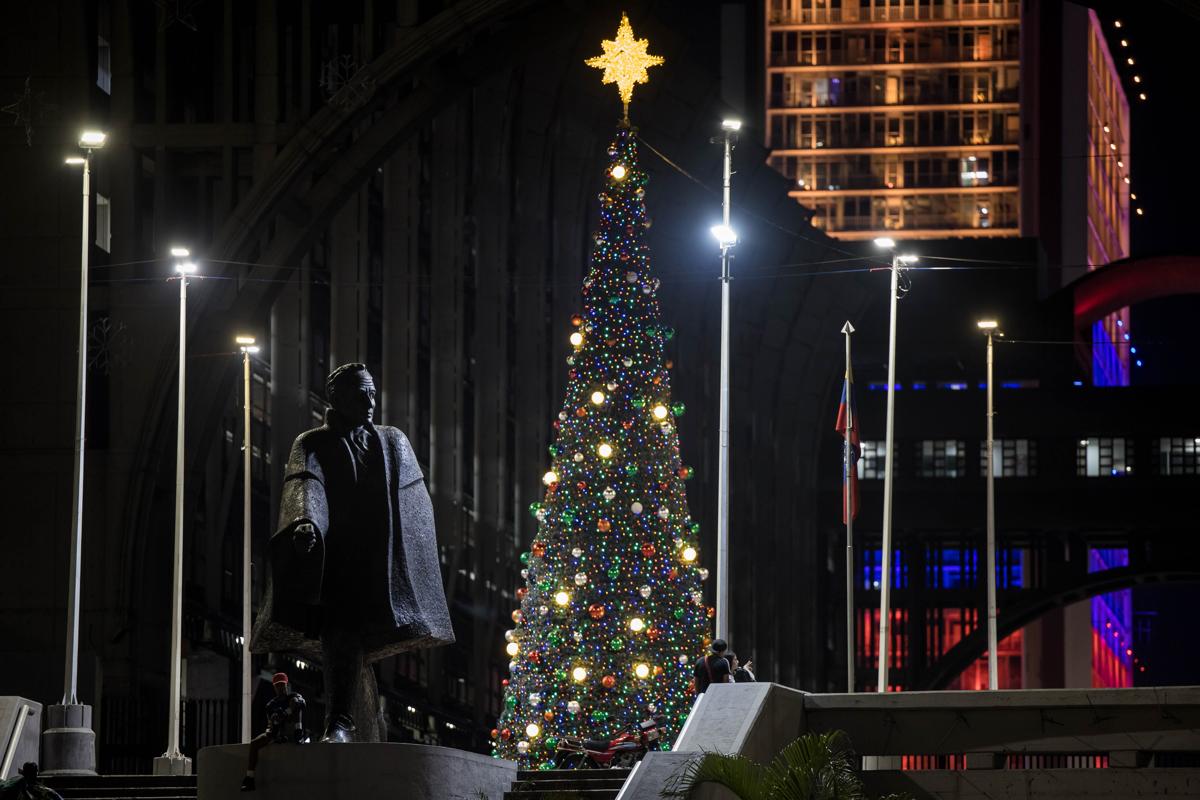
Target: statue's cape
(374,570)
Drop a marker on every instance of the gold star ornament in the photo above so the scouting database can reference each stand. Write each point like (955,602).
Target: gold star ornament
(625,61)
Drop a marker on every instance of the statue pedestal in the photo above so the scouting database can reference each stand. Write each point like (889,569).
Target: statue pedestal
(352,772)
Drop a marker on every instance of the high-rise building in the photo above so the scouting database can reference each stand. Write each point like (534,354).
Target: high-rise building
(897,116)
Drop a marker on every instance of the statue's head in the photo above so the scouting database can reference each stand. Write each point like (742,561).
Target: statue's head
(351,391)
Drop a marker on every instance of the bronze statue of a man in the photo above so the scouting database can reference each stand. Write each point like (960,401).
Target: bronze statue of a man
(355,575)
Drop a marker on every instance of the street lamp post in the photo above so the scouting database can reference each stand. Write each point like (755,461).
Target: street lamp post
(885,578)
(173,762)
(69,743)
(989,326)
(727,238)
(247,347)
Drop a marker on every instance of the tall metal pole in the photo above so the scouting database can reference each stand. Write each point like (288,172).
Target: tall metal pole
(885,582)
(246,698)
(173,761)
(991,529)
(71,671)
(723,455)
(848,329)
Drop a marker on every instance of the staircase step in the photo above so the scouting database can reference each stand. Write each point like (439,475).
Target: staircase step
(124,787)
(560,774)
(572,794)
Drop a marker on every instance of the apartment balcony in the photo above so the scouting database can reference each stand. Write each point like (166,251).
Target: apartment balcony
(880,101)
(1007,11)
(932,56)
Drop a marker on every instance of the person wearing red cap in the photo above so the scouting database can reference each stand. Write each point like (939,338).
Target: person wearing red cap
(284,706)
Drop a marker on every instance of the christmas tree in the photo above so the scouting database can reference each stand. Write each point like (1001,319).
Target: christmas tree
(612,615)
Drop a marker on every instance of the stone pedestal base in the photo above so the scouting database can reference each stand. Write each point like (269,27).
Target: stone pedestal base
(380,771)
(68,741)
(172,765)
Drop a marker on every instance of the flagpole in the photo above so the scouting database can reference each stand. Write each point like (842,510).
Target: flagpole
(848,492)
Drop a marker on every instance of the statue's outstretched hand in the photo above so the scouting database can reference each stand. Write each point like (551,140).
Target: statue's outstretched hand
(304,538)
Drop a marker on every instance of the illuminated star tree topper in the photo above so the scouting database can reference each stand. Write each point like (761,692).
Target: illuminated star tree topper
(625,61)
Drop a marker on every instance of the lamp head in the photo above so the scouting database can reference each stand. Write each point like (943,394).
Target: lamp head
(885,243)
(987,324)
(180,252)
(731,125)
(725,235)
(74,161)
(246,344)
(907,259)
(185,267)
(92,140)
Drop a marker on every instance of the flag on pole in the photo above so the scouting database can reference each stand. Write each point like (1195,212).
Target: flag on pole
(847,420)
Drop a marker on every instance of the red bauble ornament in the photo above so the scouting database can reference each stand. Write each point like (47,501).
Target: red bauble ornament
(538,549)
(581,485)
(627,424)
(534,656)
(571,374)
(495,733)
(522,592)
(712,612)
(576,320)
(504,682)
(608,681)
(648,549)
(581,412)
(673,574)
(548,716)
(670,363)
(657,379)
(596,611)
(604,526)
(506,734)
(653,633)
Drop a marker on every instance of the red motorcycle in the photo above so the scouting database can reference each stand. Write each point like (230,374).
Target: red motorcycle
(621,752)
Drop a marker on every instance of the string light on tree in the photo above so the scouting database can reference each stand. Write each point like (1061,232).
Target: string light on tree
(609,623)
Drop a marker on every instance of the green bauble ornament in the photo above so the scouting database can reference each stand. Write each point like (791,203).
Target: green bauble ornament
(568,516)
(510,700)
(639,402)
(525,558)
(631,470)
(678,613)
(553,450)
(614,572)
(551,742)
(560,675)
(616,644)
(678,408)
(534,508)
(599,716)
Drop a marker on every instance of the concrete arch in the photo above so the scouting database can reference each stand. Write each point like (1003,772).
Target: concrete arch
(1036,604)
(1132,280)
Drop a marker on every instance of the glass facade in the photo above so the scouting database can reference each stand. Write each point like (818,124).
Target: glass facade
(897,115)
(1108,181)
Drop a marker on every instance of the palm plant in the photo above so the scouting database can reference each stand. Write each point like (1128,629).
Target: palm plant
(816,766)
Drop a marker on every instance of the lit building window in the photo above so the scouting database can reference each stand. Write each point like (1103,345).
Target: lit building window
(1014,458)
(942,458)
(1102,457)
(870,461)
(103,223)
(1178,455)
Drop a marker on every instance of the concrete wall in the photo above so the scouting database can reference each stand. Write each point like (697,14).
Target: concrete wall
(354,771)
(25,745)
